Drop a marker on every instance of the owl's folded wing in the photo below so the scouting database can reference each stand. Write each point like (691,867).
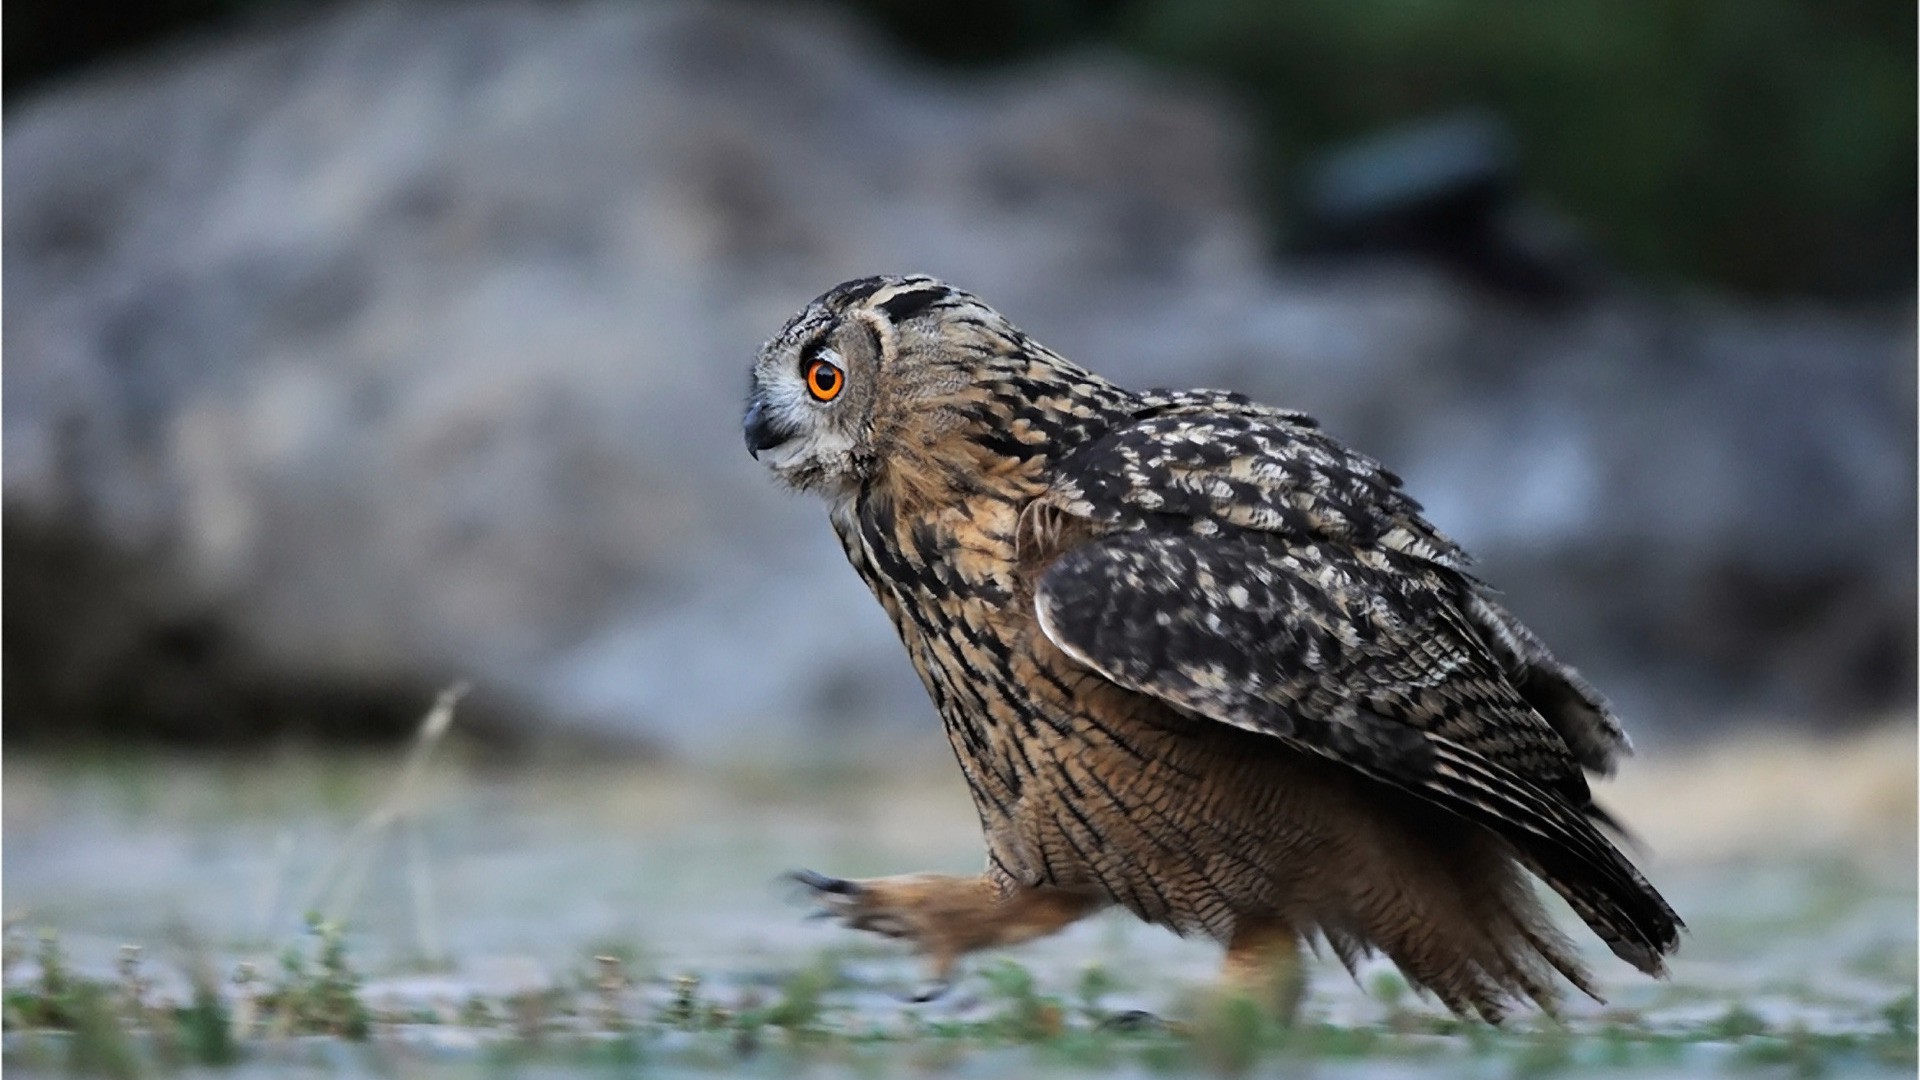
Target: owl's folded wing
(1357,657)
(1210,462)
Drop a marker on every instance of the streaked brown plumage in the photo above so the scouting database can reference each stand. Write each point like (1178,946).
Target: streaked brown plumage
(1198,659)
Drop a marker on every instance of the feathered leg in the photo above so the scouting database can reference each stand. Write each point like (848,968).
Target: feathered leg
(1263,962)
(946,917)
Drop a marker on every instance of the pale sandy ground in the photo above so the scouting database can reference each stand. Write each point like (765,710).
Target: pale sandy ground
(1773,792)
(1793,859)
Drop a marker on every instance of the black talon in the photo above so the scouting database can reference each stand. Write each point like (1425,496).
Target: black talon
(931,990)
(1132,1020)
(822,883)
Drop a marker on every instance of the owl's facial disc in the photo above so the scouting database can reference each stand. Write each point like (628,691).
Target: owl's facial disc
(820,383)
(802,413)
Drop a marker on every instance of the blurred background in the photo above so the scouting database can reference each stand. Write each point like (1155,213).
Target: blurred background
(358,347)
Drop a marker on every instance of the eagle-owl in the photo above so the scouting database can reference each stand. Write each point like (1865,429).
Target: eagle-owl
(1197,659)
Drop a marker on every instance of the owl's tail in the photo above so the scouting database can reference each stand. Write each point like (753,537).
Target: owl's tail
(1459,916)
(1611,896)
(1563,845)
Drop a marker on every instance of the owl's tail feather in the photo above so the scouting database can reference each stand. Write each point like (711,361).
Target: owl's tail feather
(1627,912)
(1563,847)
(1467,928)
(1606,890)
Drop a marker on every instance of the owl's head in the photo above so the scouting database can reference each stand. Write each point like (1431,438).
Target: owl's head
(834,389)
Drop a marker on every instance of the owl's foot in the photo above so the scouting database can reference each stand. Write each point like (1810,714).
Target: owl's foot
(944,917)
(1263,963)
(858,905)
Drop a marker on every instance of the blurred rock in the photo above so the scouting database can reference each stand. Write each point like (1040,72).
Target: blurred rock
(103,643)
(1447,190)
(408,341)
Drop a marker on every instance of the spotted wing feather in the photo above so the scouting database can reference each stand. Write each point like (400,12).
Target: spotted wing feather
(1213,456)
(1246,568)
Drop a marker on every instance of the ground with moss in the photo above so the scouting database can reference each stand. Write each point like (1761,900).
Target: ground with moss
(326,916)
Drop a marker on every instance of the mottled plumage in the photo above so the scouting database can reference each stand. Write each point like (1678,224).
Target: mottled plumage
(1196,658)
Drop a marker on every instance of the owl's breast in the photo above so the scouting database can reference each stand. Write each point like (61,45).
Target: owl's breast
(950,583)
(952,586)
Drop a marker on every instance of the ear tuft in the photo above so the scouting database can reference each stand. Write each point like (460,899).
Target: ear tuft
(906,305)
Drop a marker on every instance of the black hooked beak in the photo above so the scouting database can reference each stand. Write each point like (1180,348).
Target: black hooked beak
(762,432)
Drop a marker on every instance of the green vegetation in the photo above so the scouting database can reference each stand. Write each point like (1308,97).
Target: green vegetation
(1799,963)
(316,994)
(600,1015)
(109,1029)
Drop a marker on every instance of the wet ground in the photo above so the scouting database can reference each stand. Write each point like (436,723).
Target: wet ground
(566,919)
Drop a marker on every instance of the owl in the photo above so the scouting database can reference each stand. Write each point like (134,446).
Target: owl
(1198,660)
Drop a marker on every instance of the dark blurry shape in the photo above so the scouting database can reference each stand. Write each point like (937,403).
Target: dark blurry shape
(1446,190)
(98,643)
(991,31)
(1461,165)
(48,38)
(1762,144)
(1828,634)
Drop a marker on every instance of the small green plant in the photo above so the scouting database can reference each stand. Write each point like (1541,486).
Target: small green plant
(476,1012)
(100,1045)
(50,1001)
(1025,1015)
(1738,1022)
(1547,1053)
(1899,1015)
(1096,982)
(56,986)
(318,995)
(802,999)
(1389,988)
(1229,1032)
(204,1023)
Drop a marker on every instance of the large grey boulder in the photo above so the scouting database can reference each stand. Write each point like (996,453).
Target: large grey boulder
(407,341)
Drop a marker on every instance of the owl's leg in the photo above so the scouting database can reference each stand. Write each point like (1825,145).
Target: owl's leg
(946,917)
(1263,962)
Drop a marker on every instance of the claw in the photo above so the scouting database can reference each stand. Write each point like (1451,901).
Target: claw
(832,897)
(821,883)
(931,990)
(1133,1020)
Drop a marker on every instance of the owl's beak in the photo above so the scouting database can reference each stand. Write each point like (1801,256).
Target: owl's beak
(762,432)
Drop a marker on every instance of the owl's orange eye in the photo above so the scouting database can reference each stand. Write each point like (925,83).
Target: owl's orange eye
(824,381)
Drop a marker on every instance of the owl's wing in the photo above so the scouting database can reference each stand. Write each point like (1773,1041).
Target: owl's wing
(1208,461)
(1356,655)
(1209,455)
(1339,625)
